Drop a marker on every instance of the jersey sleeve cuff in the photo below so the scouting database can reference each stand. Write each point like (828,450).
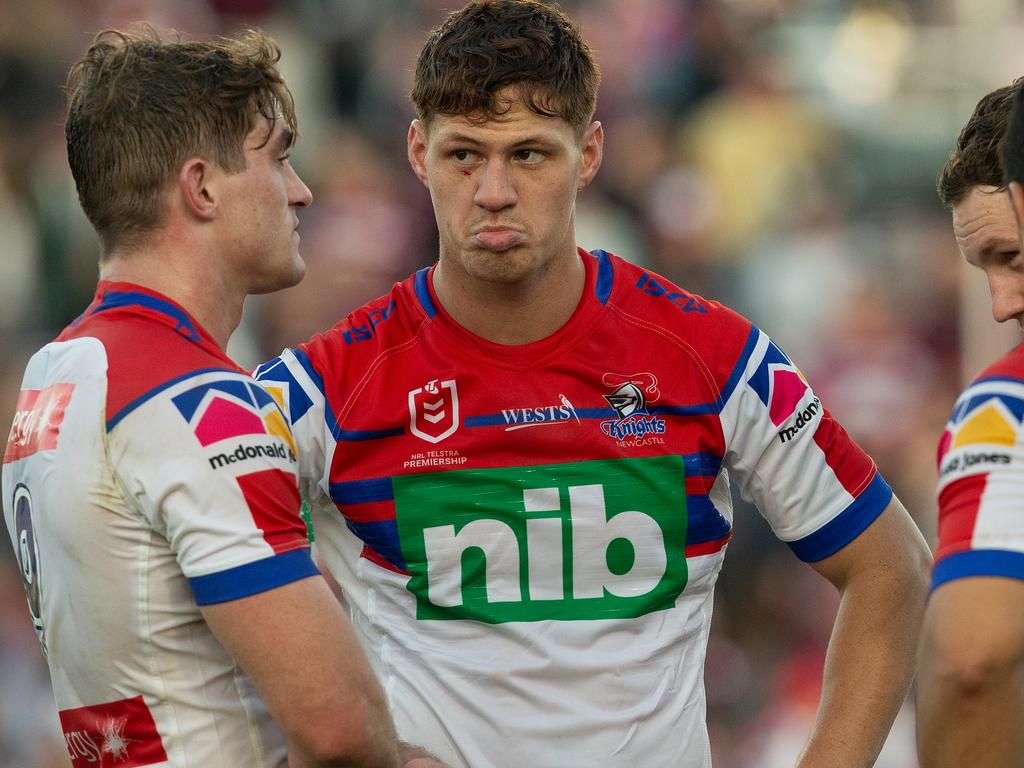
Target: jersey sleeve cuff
(978,562)
(253,578)
(847,525)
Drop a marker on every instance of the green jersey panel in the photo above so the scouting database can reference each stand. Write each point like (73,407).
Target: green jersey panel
(578,541)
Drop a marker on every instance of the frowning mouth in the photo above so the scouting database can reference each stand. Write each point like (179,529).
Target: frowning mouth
(496,238)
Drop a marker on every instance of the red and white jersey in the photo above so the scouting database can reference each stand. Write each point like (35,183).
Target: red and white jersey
(981,478)
(529,536)
(145,475)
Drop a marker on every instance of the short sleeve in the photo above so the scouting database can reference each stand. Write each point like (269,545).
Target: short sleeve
(813,484)
(295,384)
(209,460)
(981,484)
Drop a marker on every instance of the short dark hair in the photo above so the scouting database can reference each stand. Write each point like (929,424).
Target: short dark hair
(490,45)
(139,108)
(976,160)
(1013,145)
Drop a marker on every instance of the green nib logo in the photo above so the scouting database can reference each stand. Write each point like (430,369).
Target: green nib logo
(592,540)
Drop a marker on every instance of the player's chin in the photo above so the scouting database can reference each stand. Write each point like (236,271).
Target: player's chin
(288,274)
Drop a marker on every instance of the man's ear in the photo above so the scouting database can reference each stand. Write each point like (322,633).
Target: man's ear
(197,188)
(416,143)
(593,154)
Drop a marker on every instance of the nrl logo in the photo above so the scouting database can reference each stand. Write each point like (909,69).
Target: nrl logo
(434,410)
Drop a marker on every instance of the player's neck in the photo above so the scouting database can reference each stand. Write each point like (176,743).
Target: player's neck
(512,313)
(188,277)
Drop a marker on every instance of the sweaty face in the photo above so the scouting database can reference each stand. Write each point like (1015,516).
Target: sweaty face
(259,208)
(504,191)
(986,231)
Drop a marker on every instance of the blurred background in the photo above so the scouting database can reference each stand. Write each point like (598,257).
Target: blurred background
(776,155)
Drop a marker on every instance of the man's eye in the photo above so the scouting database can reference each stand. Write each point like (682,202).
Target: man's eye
(462,155)
(529,156)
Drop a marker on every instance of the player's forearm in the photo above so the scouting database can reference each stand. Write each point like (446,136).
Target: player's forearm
(869,666)
(970,704)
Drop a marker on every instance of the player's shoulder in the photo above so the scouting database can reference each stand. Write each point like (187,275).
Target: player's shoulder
(992,403)
(1009,368)
(149,344)
(718,335)
(646,294)
(1002,379)
(385,323)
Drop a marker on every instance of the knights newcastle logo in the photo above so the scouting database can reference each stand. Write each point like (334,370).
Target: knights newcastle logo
(434,410)
(629,401)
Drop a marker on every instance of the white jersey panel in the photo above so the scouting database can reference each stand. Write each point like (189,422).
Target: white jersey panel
(108,529)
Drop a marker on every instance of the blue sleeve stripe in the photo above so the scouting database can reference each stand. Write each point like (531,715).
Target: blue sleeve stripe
(847,525)
(423,292)
(605,276)
(740,367)
(978,562)
(253,578)
(141,399)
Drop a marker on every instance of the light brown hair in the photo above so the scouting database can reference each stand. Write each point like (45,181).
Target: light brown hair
(139,108)
(491,45)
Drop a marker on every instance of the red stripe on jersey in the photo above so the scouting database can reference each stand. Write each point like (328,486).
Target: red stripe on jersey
(274,503)
(853,468)
(699,485)
(118,733)
(368,512)
(707,547)
(37,419)
(958,512)
(373,557)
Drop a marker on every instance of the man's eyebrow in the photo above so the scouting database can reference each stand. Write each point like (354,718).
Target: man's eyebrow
(999,244)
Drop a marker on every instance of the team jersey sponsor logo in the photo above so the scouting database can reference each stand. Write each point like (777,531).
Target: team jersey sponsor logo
(434,410)
(681,299)
(982,427)
(37,419)
(27,552)
(580,541)
(629,401)
(805,417)
(365,331)
(521,418)
(118,733)
(229,409)
(782,388)
(243,452)
(435,458)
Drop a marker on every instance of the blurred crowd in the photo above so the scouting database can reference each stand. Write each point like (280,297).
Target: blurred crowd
(776,155)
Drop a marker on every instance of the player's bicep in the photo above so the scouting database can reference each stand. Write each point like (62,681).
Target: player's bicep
(301,653)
